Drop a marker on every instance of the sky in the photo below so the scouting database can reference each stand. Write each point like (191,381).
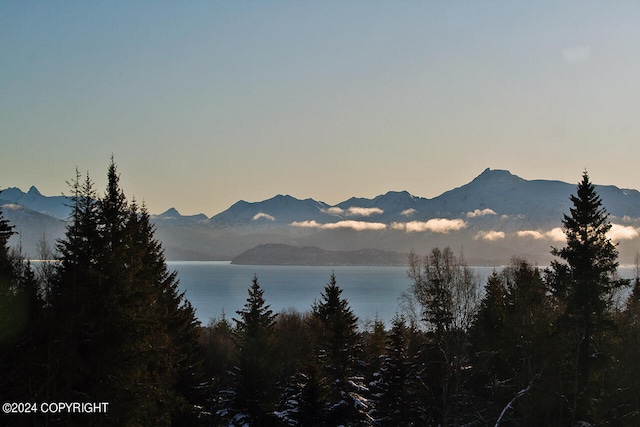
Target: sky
(204,103)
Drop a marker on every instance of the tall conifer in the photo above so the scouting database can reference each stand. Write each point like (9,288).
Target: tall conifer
(338,353)
(254,399)
(397,403)
(589,281)
(126,334)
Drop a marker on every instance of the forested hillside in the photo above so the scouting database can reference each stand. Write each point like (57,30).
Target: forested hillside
(104,322)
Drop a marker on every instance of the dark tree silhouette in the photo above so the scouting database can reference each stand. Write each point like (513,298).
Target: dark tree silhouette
(338,352)
(22,328)
(254,399)
(588,280)
(396,388)
(122,332)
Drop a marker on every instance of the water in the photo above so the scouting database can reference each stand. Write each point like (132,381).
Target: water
(372,292)
(216,287)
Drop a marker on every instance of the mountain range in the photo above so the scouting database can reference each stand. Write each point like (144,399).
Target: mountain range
(490,219)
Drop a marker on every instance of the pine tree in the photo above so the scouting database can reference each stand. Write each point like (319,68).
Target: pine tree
(589,273)
(254,399)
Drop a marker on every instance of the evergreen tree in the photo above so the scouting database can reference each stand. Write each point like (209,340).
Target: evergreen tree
(513,346)
(73,302)
(219,360)
(305,397)
(375,343)
(122,332)
(303,400)
(589,273)
(488,337)
(254,399)
(396,402)
(625,405)
(165,357)
(338,348)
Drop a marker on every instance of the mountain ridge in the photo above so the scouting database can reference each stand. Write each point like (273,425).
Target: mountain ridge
(496,213)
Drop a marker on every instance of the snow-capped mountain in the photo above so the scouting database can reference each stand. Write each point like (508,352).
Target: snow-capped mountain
(495,195)
(174,216)
(493,217)
(54,206)
(277,211)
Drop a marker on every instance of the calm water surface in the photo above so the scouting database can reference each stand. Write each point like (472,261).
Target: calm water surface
(217,287)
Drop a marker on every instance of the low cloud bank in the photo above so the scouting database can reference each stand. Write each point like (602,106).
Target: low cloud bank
(618,232)
(354,225)
(444,226)
(260,215)
(435,225)
(482,212)
(489,235)
(556,234)
(408,212)
(353,211)
(622,232)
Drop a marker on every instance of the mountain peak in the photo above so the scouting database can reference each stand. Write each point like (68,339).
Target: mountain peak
(170,213)
(34,191)
(488,172)
(496,175)
(283,197)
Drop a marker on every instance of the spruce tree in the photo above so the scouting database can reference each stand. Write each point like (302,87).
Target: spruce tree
(396,388)
(627,403)
(488,337)
(122,333)
(254,398)
(304,398)
(589,273)
(375,341)
(338,351)
(73,301)
(512,345)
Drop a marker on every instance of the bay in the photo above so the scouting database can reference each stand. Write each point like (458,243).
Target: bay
(215,287)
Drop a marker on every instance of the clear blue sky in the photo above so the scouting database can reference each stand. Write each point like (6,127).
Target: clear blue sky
(204,103)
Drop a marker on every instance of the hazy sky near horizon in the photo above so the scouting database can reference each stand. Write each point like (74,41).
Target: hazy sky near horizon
(204,103)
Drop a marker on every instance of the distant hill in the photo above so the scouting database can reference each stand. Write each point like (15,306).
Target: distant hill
(279,254)
(492,218)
